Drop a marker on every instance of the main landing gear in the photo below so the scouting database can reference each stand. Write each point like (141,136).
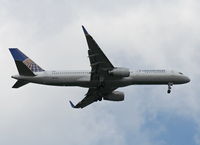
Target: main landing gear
(100,98)
(169,87)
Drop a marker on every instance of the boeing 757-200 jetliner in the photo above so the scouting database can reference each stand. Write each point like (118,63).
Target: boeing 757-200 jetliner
(102,80)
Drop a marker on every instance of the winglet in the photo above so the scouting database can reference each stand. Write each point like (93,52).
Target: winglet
(72,104)
(85,31)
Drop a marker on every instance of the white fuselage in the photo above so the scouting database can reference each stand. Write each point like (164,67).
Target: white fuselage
(82,78)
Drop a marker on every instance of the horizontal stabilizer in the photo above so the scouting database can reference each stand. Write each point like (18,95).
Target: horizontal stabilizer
(19,84)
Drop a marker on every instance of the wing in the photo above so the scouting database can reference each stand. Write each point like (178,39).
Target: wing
(99,67)
(92,96)
(98,60)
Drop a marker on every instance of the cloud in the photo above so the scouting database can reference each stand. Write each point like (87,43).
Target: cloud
(136,34)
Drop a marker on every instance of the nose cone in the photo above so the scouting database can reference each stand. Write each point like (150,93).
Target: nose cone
(186,79)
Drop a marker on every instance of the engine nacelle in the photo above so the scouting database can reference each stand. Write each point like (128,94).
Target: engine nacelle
(120,72)
(115,96)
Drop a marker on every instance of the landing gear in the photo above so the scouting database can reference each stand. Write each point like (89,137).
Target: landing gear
(101,87)
(169,87)
(100,98)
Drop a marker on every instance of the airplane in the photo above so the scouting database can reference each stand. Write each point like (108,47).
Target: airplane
(102,80)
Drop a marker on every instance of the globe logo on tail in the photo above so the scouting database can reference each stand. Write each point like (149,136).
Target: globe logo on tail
(32,65)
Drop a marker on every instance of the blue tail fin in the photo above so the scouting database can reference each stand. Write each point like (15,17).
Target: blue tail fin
(24,64)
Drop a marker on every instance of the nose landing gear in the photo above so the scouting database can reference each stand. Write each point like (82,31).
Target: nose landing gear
(169,87)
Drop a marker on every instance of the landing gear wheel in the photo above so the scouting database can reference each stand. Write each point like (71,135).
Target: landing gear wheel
(101,86)
(100,99)
(169,87)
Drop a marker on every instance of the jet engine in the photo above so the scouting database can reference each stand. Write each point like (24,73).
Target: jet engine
(115,96)
(120,72)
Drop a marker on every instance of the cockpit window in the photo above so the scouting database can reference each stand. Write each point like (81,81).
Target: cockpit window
(181,73)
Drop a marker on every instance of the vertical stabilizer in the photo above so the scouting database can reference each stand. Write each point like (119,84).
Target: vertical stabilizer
(24,64)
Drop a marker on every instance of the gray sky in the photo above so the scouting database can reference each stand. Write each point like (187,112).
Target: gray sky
(138,34)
